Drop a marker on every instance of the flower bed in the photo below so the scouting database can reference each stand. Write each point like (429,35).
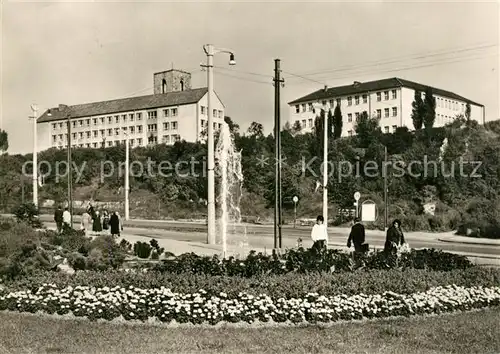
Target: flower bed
(203,307)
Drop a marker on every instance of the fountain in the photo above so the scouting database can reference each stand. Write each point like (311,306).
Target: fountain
(231,183)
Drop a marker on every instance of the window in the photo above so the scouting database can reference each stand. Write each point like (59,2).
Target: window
(331,103)
(110,143)
(394,127)
(60,125)
(139,116)
(215,126)
(174,112)
(73,135)
(117,119)
(204,111)
(166,113)
(303,122)
(152,115)
(117,131)
(220,126)
(357,116)
(94,121)
(166,139)
(101,120)
(386,95)
(95,133)
(103,132)
(323,103)
(365,98)
(379,113)
(379,96)
(110,132)
(87,122)
(132,130)
(356,99)
(80,135)
(338,101)
(214,113)
(394,94)
(349,132)
(139,142)
(349,101)
(94,145)
(80,123)
(463,107)
(110,119)
(349,117)
(166,126)
(220,114)
(310,107)
(386,112)
(310,122)
(74,124)
(54,125)
(116,142)
(124,129)
(132,141)
(131,117)
(174,125)
(394,111)
(88,134)
(386,129)
(303,107)
(297,109)
(54,138)
(139,128)
(88,145)
(177,137)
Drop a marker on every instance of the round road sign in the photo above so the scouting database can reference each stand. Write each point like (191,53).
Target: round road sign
(357,195)
(295,199)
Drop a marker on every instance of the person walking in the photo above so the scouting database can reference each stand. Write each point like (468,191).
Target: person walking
(114,224)
(86,222)
(105,220)
(357,238)
(58,218)
(66,220)
(96,224)
(394,238)
(319,234)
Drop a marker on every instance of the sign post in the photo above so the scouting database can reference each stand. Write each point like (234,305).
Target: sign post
(357,195)
(295,200)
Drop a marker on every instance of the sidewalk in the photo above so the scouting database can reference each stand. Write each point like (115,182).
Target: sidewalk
(470,240)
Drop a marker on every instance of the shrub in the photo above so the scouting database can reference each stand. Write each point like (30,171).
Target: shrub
(72,240)
(28,213)
(77,261)
(106,252)
(142,249)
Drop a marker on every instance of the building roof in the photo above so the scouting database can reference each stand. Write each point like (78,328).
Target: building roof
(375,86)
(127,104)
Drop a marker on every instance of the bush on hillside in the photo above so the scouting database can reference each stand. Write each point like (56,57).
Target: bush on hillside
(28,213)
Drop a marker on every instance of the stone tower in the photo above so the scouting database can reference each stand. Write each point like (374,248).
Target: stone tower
(171,81)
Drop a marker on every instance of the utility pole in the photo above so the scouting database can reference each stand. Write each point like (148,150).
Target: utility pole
(127,185)
(65,109)
(35,156)
(385,188)
(277,138)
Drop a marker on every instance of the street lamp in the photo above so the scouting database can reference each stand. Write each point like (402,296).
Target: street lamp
(34,109)
(127,186)
(326,108)
(210,51)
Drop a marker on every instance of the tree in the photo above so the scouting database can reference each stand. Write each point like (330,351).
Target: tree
(417,114)
(337,122)
(467,112)
(233,127)
(429,108)
(367,130)
(297,127)
(256,129)
(4,141)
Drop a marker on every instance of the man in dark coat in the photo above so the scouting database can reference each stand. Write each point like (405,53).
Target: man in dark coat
(114,223)
(58,218)
(357,237)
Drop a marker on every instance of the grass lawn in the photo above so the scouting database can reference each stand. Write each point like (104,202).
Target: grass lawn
(472,332)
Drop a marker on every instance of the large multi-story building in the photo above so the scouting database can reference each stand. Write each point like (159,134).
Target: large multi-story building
(389,99)
(174,112)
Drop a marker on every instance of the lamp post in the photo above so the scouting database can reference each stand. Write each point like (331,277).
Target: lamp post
(127,186)
(67,114)
(326,108)
(210,51)
(34,109)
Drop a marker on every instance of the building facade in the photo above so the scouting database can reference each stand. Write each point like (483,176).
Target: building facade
(174,112)
(389,99)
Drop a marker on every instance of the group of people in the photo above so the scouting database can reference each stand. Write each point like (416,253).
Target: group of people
(92,221)
(394,237)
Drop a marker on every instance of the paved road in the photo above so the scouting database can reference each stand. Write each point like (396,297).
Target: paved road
(261,236)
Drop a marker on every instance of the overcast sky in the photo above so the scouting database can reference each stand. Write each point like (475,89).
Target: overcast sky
(79,52)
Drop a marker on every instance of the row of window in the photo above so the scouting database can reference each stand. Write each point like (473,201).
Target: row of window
(357,100)
(215,113)
(450,104)
(386,130)
(101,120)
(167,139)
